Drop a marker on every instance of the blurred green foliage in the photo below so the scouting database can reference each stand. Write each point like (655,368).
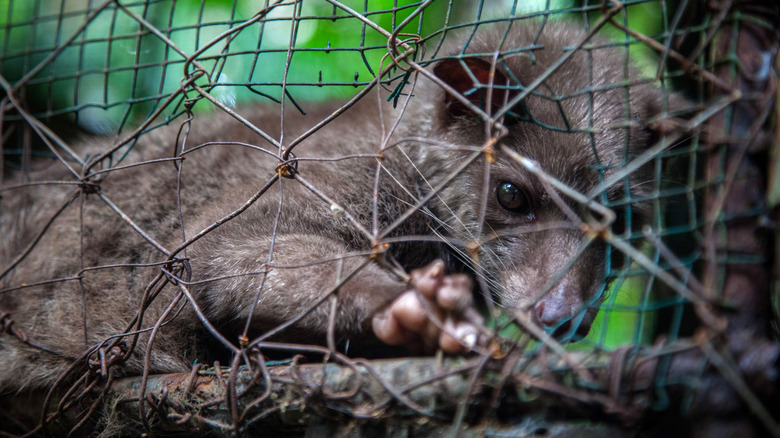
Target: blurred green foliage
(117,70)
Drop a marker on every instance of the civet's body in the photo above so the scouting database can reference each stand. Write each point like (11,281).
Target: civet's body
(526,239)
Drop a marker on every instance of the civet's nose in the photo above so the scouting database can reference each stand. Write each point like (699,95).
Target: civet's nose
(559,309)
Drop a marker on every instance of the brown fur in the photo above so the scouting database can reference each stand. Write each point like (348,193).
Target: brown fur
(310,240)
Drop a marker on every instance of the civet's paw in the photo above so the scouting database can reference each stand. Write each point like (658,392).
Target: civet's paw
(438,312)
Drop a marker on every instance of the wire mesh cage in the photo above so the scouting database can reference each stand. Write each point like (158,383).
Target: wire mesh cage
(388,218)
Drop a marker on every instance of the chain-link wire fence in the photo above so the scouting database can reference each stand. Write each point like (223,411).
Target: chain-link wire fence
(210,211)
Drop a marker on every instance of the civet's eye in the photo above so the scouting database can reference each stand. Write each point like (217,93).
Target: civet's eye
(512,198)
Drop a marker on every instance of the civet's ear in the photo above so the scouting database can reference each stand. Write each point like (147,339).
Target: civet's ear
(471,78)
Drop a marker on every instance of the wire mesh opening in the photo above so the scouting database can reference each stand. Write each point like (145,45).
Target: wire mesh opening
(207,206)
